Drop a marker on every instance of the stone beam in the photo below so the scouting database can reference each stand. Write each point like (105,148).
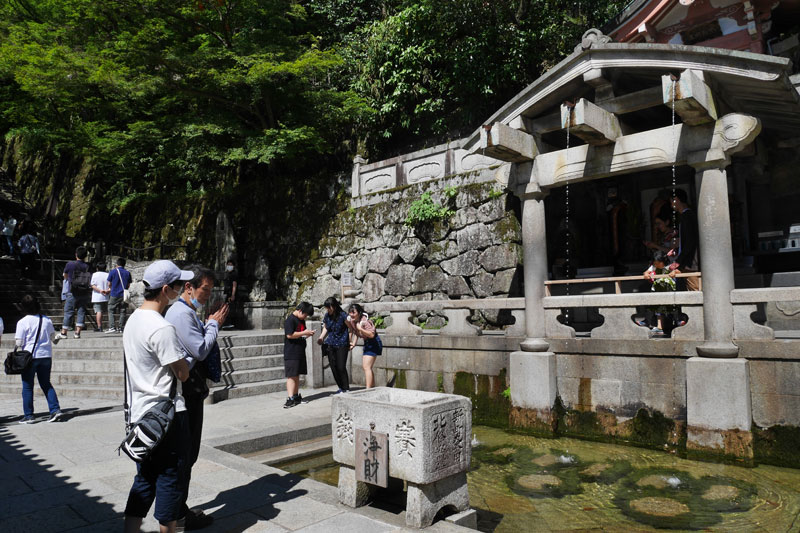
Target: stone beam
(603,88)
(709,145)
(591,123)
(507,144)
(693,99)
(619,105)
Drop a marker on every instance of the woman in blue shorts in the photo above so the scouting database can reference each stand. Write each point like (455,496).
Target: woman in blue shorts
(361,326)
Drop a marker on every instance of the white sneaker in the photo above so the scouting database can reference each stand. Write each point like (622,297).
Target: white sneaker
(59,337)
(111,330)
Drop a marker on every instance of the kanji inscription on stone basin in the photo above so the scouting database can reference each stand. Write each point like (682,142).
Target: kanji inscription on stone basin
(447,438)
(372,457)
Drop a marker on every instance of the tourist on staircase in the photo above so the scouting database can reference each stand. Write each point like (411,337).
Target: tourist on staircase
(100,291)
(199,340)
(120,280)
(9,225)
(28,250)
(35,333)
(80,290)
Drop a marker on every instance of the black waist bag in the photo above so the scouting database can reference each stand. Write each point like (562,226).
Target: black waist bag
(145,435)
(18,361)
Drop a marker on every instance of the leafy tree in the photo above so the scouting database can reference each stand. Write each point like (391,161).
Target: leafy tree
(436,68)
(173,95)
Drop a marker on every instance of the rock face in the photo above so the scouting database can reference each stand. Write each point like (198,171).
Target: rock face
(474,253)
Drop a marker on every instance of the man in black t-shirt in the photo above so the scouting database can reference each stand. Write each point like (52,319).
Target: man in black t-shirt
(76,273)
(294,351)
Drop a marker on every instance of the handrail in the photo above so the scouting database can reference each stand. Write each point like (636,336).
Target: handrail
(615,279)
(139,252)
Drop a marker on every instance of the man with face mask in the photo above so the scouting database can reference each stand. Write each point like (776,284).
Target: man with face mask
(198,339)
(154,360)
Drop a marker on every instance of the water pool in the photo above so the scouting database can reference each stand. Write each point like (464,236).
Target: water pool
(521,483)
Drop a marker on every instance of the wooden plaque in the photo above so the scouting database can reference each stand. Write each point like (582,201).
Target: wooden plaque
(372,457)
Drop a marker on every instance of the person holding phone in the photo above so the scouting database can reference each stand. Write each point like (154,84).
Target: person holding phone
(294,351)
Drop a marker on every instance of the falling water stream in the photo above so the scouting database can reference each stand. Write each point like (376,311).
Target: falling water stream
(566,221)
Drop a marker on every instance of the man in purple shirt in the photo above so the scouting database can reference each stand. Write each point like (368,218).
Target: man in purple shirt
(77,274)
(120,280)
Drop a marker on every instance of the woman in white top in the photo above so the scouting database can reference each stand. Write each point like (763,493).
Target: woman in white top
(100,290)
(41,346)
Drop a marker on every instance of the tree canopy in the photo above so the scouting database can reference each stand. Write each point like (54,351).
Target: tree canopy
(189,96)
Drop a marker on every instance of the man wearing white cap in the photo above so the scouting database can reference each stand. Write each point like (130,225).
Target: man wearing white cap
(154,359)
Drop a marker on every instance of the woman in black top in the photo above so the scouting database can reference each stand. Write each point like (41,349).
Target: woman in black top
(334,341)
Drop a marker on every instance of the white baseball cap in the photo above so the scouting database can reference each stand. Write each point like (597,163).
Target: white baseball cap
(164,272)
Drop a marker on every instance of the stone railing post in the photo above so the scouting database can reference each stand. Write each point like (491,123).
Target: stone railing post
(355,184)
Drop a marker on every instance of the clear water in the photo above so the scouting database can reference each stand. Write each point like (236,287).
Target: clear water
(520,483)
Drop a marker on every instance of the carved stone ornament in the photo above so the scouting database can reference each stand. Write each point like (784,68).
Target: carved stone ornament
(590,38)
(734,132)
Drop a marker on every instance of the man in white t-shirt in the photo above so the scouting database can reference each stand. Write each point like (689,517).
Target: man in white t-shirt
(154,359)
(100,290)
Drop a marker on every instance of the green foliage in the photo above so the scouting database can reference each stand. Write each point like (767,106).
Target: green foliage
(507,393)
(379,321)
(424,210)
(173,96)
(433,67)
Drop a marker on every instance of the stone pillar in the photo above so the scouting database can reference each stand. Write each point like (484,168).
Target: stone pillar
(716,264)
(532,371)
(534,250)
(355,183)
(718,408)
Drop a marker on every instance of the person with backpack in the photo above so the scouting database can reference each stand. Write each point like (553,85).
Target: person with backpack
(79,295)
(35,334)
(120,281)
(28,251)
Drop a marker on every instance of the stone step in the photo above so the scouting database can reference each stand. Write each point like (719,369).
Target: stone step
(250,363)
(92,340)
(226,392)
(70,391)
(293,451)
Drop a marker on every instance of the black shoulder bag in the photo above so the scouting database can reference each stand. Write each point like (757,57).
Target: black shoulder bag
(145,435)
(18,361)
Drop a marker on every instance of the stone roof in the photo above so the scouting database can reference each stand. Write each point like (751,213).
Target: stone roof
(742,82)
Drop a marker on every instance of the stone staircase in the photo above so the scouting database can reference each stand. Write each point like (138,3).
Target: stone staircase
(13,288)
(91,367)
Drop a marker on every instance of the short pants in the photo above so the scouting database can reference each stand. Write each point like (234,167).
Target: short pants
(294,367)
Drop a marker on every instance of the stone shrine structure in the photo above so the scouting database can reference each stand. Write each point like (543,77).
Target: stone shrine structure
(727,121)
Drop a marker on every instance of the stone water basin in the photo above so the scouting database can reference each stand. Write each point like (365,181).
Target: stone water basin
(521,483)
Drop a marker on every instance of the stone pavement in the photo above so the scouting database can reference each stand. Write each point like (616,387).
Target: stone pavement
(68,475)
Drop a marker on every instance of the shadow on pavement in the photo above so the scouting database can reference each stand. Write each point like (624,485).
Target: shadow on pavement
(35,496)
(253,502)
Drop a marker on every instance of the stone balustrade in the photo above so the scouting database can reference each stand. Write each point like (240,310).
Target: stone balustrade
(618,312)
(371,178)
(746,308)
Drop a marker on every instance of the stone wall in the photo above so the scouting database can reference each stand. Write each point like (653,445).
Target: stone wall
(475,253)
